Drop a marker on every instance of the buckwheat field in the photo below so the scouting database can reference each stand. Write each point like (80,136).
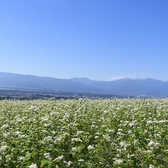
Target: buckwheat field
(119,133)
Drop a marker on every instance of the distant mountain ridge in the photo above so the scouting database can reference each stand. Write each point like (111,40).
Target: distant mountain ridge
(135,87)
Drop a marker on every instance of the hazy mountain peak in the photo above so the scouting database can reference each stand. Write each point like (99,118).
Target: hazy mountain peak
(135,87)
(82,80)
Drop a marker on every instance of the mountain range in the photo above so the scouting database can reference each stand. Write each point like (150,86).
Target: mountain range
(134,87)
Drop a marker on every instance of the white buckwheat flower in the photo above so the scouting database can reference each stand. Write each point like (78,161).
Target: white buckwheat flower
(33,166)
(90,147)
(3,148)
(118,161)
(76,140)
(151,166)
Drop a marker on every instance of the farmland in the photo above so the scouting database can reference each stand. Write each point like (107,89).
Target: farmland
(84,133)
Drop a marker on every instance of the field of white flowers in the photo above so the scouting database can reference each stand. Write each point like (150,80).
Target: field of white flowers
(120,133)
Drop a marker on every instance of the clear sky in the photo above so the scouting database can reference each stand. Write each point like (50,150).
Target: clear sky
(97,39)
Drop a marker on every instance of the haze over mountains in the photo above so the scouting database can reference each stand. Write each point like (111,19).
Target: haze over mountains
(134,87)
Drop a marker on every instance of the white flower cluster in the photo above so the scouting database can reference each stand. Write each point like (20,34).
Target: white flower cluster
(33,166)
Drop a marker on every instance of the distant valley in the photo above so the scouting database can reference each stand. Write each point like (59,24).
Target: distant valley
(122,87)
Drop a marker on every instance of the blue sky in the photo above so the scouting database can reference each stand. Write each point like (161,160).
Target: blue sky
(97,39)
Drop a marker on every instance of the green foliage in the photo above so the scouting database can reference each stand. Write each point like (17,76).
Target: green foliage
(84,133)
